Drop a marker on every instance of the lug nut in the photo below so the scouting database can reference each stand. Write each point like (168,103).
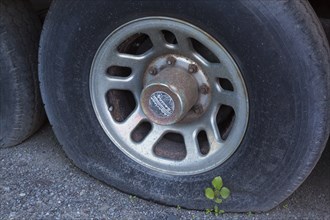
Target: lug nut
(204,89)
(192,68)
(171,61)
(198,109)
(153,71)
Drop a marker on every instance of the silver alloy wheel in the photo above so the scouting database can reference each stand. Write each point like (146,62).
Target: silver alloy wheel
(220,112)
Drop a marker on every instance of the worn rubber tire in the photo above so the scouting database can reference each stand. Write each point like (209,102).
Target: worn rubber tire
(21,108)
(283,54)
(326,26)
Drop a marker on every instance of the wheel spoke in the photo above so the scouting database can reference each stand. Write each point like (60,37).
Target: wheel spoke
(218,70)
(128,60)
(157,39)
(228,98)
(192,146)
(107,83)
(212,131)
(152,138)
(132,122)
(184,43)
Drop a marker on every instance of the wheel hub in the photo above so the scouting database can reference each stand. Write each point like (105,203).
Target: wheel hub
(172,72)
(168,97)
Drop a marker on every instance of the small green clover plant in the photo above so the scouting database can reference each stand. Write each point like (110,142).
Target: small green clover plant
(218,193)
(132,198)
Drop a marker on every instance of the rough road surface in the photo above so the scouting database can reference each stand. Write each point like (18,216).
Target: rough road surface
(37,181)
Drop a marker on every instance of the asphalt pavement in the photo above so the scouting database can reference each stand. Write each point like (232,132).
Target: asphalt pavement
(37,181)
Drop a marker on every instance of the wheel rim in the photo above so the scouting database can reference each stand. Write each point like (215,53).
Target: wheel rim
(136,54)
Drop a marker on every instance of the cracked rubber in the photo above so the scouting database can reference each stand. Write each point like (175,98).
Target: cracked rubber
(21,109)
(283,55)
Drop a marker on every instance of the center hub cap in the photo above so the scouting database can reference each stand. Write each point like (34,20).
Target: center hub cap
(161,104)
(169,96)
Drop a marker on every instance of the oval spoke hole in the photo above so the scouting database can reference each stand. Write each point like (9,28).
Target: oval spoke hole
(119,71)
(136,44)
(204,145)
(169,37)
(225,120)
(204,51)
(171,146)
(141,131)
(121,104)
(226,84)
